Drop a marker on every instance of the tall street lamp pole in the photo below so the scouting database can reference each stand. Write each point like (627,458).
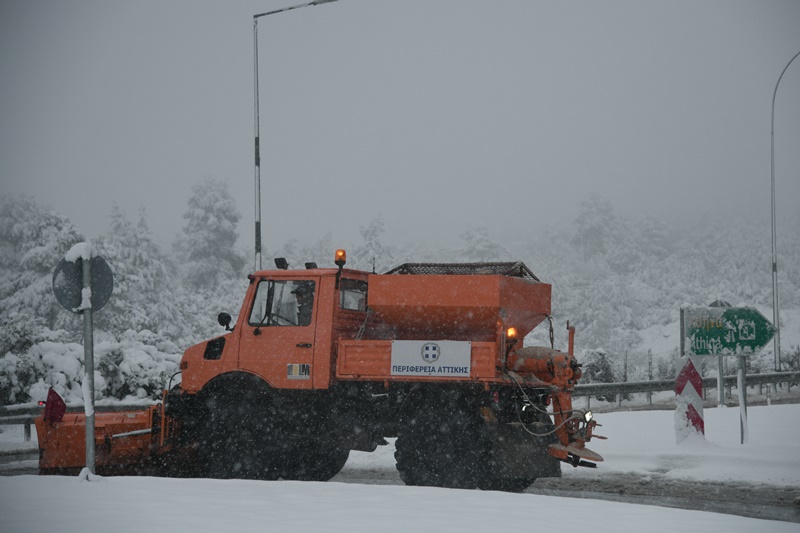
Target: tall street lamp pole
(257,142)
(775,312)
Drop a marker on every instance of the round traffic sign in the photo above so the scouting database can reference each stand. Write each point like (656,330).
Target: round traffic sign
(68,283)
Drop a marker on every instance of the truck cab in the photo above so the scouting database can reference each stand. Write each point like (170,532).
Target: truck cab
(289,325)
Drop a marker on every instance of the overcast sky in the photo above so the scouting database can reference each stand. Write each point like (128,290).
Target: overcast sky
(435,114)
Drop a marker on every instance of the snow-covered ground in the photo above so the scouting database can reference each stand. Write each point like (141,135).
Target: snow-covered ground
(147,504)
(641,443)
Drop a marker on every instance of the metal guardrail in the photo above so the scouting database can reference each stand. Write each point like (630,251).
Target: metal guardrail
(25,415)
(596,389)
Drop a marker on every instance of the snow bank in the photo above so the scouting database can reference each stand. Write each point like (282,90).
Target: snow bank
(643,443)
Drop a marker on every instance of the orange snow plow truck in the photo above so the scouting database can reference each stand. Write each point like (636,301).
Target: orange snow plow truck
(322,361)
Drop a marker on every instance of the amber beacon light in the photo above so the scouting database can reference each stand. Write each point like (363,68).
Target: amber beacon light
(340,260)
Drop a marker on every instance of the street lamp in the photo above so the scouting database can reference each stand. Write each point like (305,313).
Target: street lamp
(775,313)
(257,145)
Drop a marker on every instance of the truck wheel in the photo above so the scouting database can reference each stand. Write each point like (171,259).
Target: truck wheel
(442,448)
(314,462)
(233,446)
(545,464)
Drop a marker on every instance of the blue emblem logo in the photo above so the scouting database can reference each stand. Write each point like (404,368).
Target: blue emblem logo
(430,352)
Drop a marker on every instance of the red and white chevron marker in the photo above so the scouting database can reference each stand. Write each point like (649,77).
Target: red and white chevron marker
(689,403)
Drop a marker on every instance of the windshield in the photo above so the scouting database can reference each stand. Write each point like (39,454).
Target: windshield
(283,303)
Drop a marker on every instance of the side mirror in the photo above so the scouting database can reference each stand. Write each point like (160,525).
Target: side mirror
(224,320)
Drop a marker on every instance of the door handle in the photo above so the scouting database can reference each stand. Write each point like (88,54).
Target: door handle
(303,345)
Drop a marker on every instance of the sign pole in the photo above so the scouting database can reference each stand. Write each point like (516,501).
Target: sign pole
(742,385)
(720,382)
(83,283)
(88,356)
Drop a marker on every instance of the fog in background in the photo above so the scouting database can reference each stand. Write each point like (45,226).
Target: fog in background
(437,115)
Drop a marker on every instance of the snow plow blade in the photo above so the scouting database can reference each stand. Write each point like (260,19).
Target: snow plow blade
(123,442)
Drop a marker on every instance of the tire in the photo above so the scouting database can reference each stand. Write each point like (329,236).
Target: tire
(442,448)
(545,465)
(236,441)
(247,436)
(314,462)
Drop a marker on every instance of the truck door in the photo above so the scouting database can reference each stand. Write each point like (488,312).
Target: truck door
(278,339)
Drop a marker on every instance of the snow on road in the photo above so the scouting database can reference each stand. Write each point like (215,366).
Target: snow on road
(147,504)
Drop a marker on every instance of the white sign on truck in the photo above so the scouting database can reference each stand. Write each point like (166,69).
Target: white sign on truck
(431,358)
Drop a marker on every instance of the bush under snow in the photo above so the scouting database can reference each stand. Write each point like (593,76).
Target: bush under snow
(136,367)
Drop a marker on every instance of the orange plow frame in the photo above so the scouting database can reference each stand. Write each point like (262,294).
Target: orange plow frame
(123,442)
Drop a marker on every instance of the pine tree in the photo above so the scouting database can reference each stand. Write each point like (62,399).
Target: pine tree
(33,240)
(320,252)
(145,290)
(291,251)
(594,226)
(478,246)
(372,253)
(207,245)
(597,369)
(211,268)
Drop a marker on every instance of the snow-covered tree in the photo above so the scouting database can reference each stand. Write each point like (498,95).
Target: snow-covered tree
(597,368)
(145,284)
(207,244)
(33,240)
(478,246)
(594,226)
(652,237)
(372,252)
(210,265)
(320,252)
(291,251)
(297,255)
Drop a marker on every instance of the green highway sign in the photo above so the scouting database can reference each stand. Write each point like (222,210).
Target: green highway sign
(724,331)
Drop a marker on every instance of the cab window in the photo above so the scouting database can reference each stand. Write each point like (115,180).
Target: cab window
(283,303)
(353,295)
